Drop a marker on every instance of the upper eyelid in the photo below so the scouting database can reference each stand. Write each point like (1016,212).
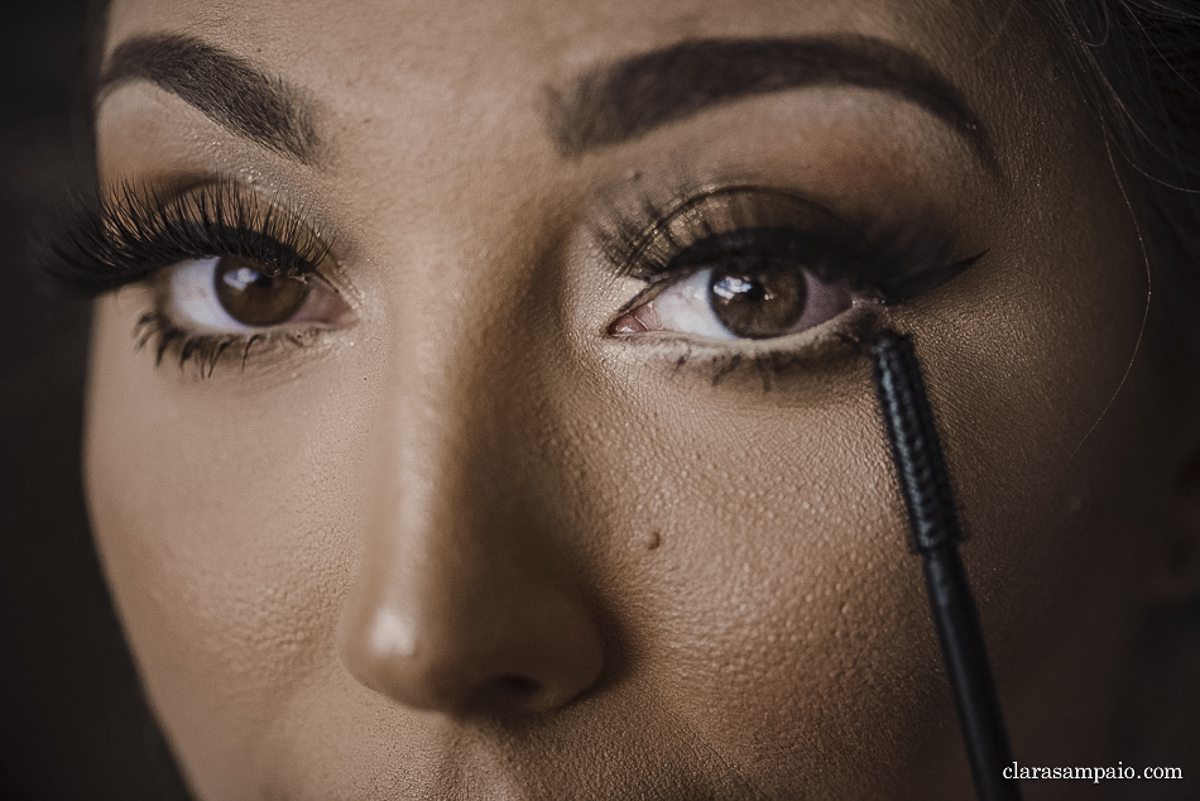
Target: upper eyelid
(895,258)
(626,232)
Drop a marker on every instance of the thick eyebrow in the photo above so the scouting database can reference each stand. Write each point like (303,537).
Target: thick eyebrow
(226,88)
(622,101)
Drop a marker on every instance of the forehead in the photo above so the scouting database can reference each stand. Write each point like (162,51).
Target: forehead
(422,29)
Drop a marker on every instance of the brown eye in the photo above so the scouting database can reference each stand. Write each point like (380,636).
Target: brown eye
(757,302)
(254,298)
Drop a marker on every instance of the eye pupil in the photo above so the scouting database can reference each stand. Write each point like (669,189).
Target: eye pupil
(252,297)
(758,302)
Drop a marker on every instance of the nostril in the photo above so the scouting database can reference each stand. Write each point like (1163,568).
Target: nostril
(507,694)
(520,686)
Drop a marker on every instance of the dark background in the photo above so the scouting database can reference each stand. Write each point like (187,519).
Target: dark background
(73,721)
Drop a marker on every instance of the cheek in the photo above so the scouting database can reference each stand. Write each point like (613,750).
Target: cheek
(225,522)
(768,593)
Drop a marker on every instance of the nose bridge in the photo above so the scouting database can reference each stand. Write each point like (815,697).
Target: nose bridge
(465,601)
(456,433)
(450,509)
(448,418)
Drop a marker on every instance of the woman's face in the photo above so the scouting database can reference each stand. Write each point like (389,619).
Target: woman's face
(473,514)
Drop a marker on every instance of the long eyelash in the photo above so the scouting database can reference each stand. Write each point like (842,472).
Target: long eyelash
(204,350)
(895,261)
(103,244)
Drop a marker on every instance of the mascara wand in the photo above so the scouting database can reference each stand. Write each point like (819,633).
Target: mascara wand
(925,486)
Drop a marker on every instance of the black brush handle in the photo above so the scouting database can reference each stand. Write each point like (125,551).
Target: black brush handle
(925,486)
(970,675)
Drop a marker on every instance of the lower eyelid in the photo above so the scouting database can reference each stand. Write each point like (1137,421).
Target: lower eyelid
(761,364)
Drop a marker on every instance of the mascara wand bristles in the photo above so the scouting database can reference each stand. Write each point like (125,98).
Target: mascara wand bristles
(917,452)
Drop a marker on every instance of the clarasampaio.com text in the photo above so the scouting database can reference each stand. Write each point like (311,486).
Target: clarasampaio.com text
(1094,774)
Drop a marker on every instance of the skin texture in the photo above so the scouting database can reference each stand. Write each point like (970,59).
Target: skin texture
(332,563)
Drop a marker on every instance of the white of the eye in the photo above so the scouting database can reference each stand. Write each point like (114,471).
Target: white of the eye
(684,307)
(193,297)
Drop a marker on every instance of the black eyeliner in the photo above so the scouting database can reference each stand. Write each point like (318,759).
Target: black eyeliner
(924,480)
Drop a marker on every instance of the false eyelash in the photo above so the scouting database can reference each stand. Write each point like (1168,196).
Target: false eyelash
(894,262)
(100,244)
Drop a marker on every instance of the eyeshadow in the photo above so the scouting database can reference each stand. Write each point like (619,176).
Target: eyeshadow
(892,263)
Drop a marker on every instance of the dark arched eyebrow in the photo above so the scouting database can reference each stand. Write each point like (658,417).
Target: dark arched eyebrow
(627,99)
(608,105)
(226,88)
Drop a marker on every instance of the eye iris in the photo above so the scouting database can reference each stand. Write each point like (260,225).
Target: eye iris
(757,302)
(253,297)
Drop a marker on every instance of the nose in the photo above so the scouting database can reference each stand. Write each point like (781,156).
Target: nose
(466,600)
